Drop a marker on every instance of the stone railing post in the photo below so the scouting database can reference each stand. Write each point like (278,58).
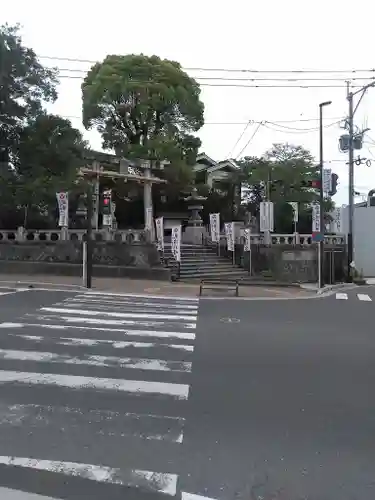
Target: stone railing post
(21,234)
(64,235)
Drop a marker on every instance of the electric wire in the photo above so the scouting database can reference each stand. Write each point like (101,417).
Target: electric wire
(229,155)
(249,141)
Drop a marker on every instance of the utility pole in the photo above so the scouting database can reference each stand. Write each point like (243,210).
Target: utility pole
(350,126)
(321,196)
(89,236)
(351,183)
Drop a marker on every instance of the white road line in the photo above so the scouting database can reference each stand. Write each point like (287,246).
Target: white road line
(96,360)
(118,322)
(116,344)
(180,391)
(193,496)
(114,322)
(94,300)
(364,296)
(64,420)
(155,481)
(84,312)
(134,309)
(135,333)
(6,293)
(171,298)
(341,296)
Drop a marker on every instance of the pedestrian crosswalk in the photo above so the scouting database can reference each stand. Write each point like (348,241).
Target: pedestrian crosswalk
(96,386)
(364,297)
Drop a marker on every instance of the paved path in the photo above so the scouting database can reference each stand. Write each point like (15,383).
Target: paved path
(149,287)
(95,387)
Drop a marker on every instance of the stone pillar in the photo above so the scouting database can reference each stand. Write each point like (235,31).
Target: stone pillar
(147,201)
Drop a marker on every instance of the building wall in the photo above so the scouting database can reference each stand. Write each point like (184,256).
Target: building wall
(364,238)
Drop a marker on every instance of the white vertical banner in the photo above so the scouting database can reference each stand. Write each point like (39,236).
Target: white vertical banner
(327,180)
(316,218)
(148,224)
(176,243)
(266,216)
(337,220)
(107,220)
(247,242)
(63,204)
(229,233)
(294,205)
(215,227)
(159,223)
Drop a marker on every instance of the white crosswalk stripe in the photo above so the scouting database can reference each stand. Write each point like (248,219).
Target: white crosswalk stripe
(364,297)
(98,372)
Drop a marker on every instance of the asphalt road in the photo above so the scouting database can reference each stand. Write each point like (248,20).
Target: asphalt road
(261,400)
(283,396)
(94,393)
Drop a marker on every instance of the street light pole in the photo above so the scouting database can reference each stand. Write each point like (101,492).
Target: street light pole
(321,195)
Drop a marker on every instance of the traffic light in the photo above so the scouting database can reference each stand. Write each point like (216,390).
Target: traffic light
(314,184)
(107,202)
(334,179)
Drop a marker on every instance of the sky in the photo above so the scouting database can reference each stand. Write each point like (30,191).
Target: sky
(270,37)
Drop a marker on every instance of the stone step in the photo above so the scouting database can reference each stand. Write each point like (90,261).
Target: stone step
(211,262)
(208,273)
(209,265)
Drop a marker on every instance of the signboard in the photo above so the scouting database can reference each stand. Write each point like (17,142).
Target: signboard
(215,227)
(266,216)
(337,220)
(294,205)
(63,204)
(247,242)
(176,243)
(159,223)
(229,233)
(316,218)
(107,220)
(327,180)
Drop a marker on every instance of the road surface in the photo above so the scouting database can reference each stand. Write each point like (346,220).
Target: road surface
(260,400)
(284,399)
(94,392)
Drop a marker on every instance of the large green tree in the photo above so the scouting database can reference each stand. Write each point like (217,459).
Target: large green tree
(24,86)
(144,108)
(282,175)
(50,152)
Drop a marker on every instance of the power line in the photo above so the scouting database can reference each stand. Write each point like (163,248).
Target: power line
(237,85)
(256,79)
(273,122)
(251,138)
(294,131)
(233,70)
(239,138)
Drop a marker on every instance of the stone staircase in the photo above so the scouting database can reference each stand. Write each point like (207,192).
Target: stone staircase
(199,262)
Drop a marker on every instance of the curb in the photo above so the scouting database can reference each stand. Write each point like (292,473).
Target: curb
(335,288)
(40,284)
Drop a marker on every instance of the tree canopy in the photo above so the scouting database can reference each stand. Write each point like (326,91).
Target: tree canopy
(282,175)
(40,152)
(24,85)
(143,107)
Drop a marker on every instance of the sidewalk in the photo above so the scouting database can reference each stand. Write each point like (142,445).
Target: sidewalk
(125,285)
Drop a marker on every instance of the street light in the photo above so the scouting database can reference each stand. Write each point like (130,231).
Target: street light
(321,196)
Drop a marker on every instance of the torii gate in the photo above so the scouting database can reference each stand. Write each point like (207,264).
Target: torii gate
(97,171)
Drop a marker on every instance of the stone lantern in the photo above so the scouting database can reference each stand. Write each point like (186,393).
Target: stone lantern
(195,229)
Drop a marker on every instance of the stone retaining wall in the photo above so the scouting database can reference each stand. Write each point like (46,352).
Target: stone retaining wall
(110,259)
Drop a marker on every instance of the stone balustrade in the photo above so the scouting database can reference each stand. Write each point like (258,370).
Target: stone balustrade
(130,236)
(289,239)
